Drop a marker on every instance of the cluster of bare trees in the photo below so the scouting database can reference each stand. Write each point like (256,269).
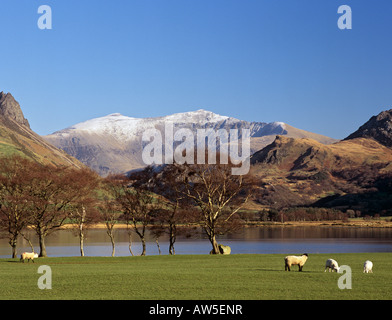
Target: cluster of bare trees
(45,198)
(163,198)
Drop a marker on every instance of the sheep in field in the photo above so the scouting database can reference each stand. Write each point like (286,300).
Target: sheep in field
(331,264)
(295,260)
(29,256)
(368,266)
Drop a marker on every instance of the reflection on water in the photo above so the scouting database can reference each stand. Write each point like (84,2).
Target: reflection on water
(248,240)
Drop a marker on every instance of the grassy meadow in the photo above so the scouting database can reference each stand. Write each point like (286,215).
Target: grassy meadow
(195,277)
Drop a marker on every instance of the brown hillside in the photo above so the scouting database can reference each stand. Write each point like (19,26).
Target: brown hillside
(295,172)
(16,137)
(378,128)
(308,155)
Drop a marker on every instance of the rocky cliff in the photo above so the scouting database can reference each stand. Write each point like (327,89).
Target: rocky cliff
(10,109)
(16,137)
(378,128)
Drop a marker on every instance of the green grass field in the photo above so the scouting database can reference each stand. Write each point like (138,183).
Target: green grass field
(200,277)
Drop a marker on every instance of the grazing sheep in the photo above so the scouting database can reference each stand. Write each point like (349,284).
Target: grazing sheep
(331,264)
(368,266)
(29,256)
(222,249)
(295,260)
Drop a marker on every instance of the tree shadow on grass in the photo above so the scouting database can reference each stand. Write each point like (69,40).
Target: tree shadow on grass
(17,260)
(282,269)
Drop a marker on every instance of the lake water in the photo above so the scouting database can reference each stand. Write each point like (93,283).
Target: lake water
(295,240)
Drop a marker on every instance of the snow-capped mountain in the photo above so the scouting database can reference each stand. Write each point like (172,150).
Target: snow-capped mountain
(114,143)
(125,128)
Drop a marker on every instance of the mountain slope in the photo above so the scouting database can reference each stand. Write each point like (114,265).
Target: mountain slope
(307,155)
(16,137)
(114,143)
(10,109)
(355,173)
(378,128)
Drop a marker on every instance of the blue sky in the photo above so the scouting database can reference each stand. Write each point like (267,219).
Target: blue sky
(256,60)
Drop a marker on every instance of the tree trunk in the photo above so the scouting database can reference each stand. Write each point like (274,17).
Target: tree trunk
(144,246)
(159,248)
(210,231)
(113,245)
(81,233)
(130,242)
(42,246)
(171,247)
(215,247)
(113,248)
(81,244)
(172,239)
(12,243)
(141,236)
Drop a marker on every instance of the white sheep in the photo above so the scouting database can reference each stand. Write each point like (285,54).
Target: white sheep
(295,260)
(368,266)
(331,264)
(29,256)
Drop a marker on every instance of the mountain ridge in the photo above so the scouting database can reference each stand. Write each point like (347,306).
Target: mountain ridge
(113,143)
(16,137)
(351,174)
(10,108)
(378,127)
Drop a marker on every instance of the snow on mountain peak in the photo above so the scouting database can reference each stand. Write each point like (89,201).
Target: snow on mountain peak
(115,115)
(279,124)
(124,127)
(199,116)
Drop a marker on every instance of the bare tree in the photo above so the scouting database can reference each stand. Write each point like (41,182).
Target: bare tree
(110,216)
(175,208)
(173,221)
(157,232)
(15,201)
(83,213)
(52,192)
(218,194)
(36,195)
(136,204)
(108,207)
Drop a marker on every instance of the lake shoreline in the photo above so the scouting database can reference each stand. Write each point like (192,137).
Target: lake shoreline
(290,237)
(327,223)
(331,223)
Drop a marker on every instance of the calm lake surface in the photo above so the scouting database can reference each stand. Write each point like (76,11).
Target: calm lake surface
(295,240)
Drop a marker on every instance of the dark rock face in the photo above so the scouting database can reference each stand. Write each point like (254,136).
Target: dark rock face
(378,127)
(10,109)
